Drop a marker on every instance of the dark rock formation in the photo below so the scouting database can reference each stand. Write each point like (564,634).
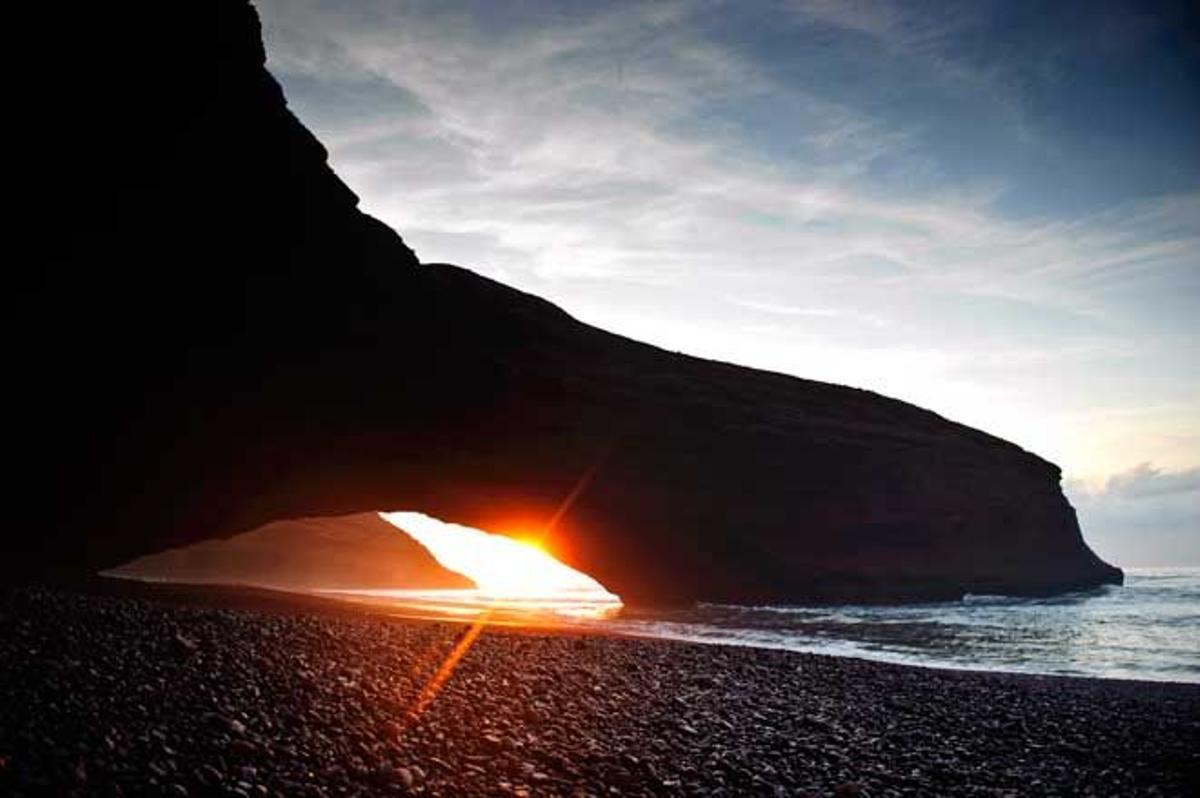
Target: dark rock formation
(360,551)
(203,333)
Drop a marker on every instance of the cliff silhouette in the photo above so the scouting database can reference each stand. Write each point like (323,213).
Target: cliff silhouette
(203,334)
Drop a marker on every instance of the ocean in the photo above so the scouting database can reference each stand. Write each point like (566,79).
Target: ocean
(1148,628)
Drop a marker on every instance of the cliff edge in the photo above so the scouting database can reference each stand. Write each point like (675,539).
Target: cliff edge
(204,334)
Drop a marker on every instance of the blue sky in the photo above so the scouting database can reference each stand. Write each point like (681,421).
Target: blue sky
(989,209)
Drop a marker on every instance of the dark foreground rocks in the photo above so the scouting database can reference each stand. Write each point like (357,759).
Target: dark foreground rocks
(116,696)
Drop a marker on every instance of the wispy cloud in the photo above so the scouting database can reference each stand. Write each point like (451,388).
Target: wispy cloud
(1143,481)
(1142,516)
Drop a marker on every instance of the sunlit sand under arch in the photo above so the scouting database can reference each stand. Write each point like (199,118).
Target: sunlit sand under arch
(514,577)
(517,579)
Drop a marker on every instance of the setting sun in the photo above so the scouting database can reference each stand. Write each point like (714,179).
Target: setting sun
(501,566)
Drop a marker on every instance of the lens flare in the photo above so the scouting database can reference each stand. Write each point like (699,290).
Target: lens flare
(435,684)
(505,569)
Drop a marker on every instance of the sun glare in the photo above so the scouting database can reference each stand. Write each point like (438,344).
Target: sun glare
(502,567)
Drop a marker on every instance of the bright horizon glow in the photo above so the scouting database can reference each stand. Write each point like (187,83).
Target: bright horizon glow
(501,567)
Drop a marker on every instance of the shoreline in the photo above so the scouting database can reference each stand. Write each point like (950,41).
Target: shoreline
(270,599)
(190,690)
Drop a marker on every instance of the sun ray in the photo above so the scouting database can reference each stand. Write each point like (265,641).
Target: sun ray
(436,682)
(581,484)
(502,568)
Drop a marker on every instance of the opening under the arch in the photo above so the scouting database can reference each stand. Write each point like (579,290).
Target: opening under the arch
(509,572)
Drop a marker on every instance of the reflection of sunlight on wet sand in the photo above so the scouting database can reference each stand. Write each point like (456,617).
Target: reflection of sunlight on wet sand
(467,604)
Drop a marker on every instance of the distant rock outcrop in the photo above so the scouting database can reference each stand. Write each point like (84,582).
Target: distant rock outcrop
(203,334)
(360,551)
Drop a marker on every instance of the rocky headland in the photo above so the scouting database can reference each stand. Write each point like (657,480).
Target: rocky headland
(204,334)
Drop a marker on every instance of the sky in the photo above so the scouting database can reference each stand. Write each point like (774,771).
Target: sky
(989,209)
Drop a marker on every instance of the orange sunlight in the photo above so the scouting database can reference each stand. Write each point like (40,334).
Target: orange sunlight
(502,567)
(509,574)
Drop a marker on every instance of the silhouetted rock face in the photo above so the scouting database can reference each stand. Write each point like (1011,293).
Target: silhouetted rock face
(340,552)
(206,334)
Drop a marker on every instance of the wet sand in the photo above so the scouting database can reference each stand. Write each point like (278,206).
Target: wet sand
(125,689)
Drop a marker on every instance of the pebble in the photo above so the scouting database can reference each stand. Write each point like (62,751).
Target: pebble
(321,704)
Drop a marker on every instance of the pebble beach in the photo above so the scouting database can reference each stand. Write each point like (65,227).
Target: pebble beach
(144,690)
